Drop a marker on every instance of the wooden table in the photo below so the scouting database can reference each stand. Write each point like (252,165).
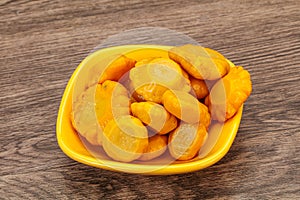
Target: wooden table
(41,44)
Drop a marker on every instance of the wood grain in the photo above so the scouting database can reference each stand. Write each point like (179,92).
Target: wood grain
(42,42)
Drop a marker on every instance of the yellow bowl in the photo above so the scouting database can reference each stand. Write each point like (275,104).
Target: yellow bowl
(71,144)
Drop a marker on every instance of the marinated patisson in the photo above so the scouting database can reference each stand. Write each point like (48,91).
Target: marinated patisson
(148,106)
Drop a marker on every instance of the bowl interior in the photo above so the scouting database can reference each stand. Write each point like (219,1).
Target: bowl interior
(220,137)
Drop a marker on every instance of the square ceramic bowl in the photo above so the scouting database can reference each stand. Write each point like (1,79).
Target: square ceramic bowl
(219,140)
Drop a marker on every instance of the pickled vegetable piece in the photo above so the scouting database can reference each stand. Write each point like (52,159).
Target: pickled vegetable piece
(186,140)
(201,63)
(149,92)
(151,80)
(83,116)
(112,101)
(117,68)
(199,87)
(229,93)
(155,116)
(144,61)
(186,107)
(156,147)
(125,138)
(166,62)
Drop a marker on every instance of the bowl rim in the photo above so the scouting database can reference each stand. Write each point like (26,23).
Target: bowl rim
(136,168)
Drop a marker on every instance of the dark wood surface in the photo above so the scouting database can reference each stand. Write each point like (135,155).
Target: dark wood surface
(41,44)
